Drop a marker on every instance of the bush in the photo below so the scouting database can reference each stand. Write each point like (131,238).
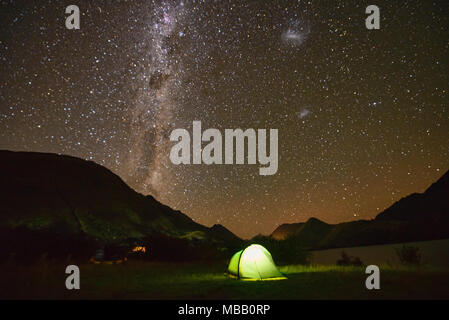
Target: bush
(172,249)
(27,246)
(347,260)
(409,255)
(288,251)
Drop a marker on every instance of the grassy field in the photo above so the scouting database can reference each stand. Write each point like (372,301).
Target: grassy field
(146,280)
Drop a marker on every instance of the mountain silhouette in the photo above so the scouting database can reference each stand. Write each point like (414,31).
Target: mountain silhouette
(433,204)
(417,217)
(63,202)
(70,197)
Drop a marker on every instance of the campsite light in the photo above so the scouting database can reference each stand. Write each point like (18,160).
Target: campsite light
(139,249)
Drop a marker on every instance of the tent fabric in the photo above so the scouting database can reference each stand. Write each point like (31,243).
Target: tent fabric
(254,262)
(233,267)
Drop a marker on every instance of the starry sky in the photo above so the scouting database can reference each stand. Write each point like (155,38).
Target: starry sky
(362,114)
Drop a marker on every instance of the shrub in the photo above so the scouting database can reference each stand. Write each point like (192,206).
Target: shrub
(288,251)
(409,255)
(172,249)
(347,260)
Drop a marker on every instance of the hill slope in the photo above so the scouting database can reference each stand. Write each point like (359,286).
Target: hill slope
(433,204)
(416,217)
(71,196)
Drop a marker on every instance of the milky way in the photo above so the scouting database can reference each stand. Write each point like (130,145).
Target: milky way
(152,110)
(362,114)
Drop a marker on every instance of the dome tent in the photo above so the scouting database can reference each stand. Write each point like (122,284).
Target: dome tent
(254,262)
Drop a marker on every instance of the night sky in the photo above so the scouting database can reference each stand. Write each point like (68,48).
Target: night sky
(362,114)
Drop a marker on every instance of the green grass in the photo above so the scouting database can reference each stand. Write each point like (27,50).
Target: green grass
(145,280)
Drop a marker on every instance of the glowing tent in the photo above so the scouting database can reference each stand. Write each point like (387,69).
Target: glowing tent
(254,262)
